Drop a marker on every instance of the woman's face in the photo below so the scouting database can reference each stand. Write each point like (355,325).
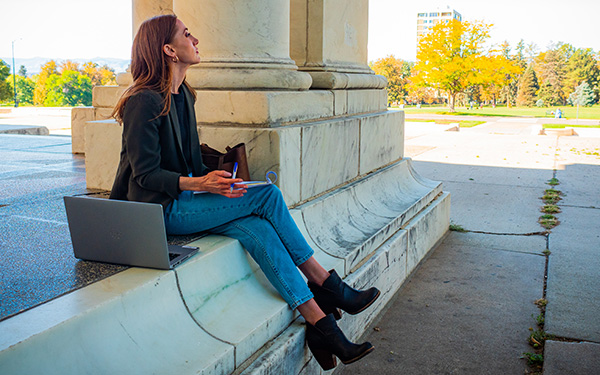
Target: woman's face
(184,45)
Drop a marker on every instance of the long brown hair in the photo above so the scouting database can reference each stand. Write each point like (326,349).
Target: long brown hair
(149,64)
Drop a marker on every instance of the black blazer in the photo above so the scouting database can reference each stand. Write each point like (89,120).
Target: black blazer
(152,158)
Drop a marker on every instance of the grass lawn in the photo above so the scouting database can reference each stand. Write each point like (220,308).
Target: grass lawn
(562,126)
(462,124)
(568,111)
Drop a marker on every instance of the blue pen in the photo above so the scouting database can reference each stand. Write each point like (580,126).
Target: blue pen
(235,166)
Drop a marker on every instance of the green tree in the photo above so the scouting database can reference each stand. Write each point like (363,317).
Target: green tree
(582,66)
(76,88)
(583,95)
(54,96)
(25,90)
(5,88)
(528,87)
(71,88)
(397,72)
(450,57)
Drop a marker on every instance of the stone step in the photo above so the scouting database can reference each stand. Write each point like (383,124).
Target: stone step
(200,319)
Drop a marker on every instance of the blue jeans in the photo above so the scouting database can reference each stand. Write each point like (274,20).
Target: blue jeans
(261,221)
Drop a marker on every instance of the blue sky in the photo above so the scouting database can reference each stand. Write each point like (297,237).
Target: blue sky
(63,29)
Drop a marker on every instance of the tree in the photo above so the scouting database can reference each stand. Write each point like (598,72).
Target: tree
(397,72)
(528,87)
(582,66)
(583,95)
(41,91)
(450,57)
(22,71)
(500,71)
(508,94)
(100,76)
(68,65)
(550,68)
(5,88)
(71,88)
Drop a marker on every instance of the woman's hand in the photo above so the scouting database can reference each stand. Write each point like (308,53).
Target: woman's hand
(216,182)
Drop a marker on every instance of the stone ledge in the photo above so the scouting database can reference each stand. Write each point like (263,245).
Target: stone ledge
(130,323)
(355,220)
(221,326)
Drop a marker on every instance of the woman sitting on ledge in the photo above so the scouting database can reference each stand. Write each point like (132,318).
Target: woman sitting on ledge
(161,163)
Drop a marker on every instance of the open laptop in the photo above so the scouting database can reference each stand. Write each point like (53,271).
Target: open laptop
(122,232)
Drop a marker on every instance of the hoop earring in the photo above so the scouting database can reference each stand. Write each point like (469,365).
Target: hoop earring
(175,59)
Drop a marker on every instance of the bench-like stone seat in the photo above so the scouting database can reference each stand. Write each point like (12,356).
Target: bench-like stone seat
(131,323)
(216,313)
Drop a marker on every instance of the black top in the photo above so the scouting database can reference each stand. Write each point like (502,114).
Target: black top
(184,127)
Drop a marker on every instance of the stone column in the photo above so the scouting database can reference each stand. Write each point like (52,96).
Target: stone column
(244,44)
(329,41)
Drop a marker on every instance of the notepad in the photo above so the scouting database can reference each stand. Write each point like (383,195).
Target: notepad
(270,178)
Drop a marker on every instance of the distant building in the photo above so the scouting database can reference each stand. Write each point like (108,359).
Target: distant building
(426,20)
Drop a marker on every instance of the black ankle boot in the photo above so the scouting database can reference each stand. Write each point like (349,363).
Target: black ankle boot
(335,293)
(325,339)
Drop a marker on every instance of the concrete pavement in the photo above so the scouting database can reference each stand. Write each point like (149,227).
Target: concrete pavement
(470,306)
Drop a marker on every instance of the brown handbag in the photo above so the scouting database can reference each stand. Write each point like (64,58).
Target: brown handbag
(216,160)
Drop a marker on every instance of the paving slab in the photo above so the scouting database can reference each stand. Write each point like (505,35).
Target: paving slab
(467,310)
(37,256)
(504,207)
(571,358)
(468,147)
(573,293)
(580,184)
(533,244)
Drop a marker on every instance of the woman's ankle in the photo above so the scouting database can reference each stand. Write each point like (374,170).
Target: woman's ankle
(311,312)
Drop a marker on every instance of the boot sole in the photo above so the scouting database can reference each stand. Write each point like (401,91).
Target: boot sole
(367,305)
(359,357)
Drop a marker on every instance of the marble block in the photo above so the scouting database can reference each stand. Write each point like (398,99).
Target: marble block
(79,116)
(367,101)
(107,96)
(381,140)
(330,152)
(340,102)
(336,81)
(102,150)
(427,229)
(262,108)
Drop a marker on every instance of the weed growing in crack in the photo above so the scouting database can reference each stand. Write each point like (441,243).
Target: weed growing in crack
(537,339)
(553,182)
(457,228)
(534,360)
(550,209)
(548,221)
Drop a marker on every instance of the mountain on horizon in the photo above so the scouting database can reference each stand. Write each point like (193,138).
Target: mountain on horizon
(34,64)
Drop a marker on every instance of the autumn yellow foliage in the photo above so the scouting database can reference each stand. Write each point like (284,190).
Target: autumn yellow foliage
(452,57)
